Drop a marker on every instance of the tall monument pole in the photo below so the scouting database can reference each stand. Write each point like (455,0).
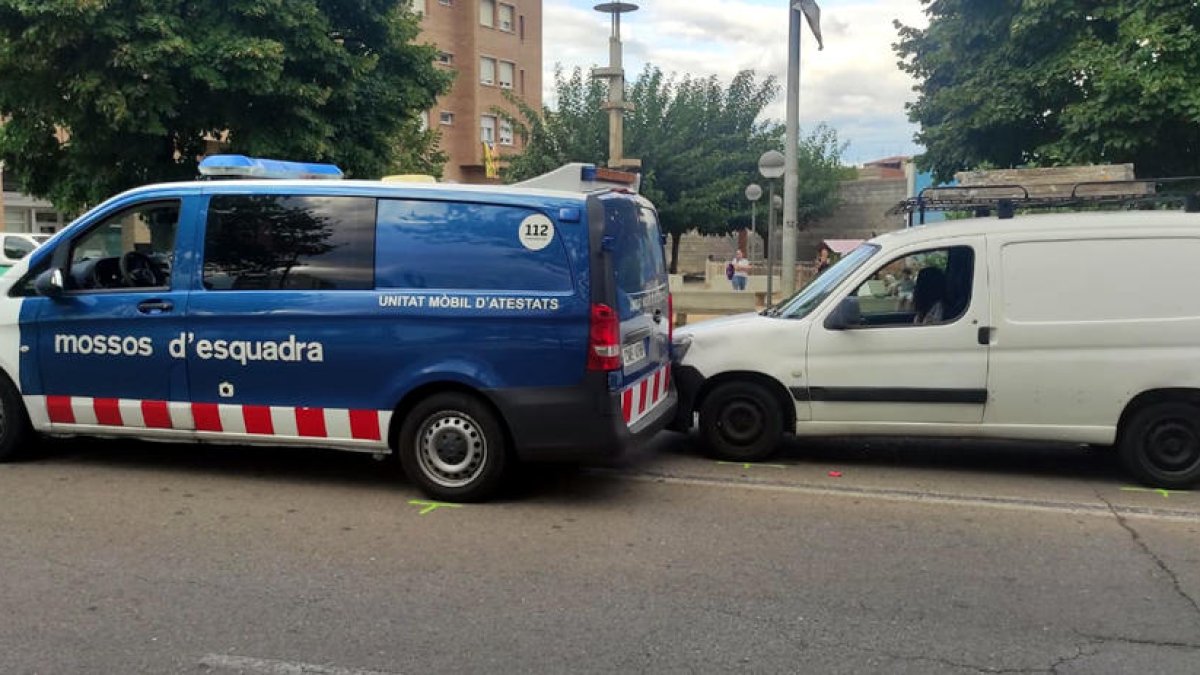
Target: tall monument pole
(615,74)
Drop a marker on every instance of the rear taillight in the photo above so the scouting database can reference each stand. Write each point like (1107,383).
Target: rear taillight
(604,339)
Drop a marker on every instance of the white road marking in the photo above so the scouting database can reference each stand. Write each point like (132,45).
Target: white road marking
(914,496)
(246,664)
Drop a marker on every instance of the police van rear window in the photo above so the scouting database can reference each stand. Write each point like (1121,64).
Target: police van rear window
(640,260)
(284,242)
(458,246)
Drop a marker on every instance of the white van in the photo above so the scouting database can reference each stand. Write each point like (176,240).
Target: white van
(1077,327)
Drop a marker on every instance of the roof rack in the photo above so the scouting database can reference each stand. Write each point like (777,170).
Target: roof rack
(1004,200)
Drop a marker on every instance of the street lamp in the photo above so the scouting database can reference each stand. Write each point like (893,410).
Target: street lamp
(771,165)
(753,194)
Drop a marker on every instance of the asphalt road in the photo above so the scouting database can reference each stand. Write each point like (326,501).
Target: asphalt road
(839,557)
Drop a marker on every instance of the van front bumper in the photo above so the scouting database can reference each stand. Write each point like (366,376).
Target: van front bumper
(573,424)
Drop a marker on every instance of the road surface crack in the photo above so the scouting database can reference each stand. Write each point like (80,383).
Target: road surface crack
(1141,641)
(1162,565)
(1052,669)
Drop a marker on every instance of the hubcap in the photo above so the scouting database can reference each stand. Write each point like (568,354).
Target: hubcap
(451,449)
(741,421)
(1172,445)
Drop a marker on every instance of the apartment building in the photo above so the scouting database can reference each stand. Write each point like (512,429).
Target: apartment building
(493,46)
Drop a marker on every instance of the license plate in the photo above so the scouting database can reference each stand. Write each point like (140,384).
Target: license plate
(633,353)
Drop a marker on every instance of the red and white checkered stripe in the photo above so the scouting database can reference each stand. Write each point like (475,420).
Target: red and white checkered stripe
(255,420)
(638,399)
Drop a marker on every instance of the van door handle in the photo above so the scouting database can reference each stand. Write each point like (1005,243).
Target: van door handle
(658,316)
(155,306)
(985,335)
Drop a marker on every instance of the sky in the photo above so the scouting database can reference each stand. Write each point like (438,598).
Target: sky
(853,84)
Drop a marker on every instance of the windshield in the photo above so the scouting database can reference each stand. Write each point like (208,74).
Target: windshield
(803,303)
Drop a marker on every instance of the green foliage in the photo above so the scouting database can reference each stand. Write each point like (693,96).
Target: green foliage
(576,132)
(1015,83)
(699,141)
(820,171)
(135,88)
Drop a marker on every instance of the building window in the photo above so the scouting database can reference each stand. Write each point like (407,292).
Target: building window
(417,6)
(506,132)
(423,121)
(16,220)
(11,184)
(522,81)
(487,129)
(487,70)
(507,12)
(446,118)
(445,59)
(445,3)
(487,13)
(506,74)
(522,22)
(46,221)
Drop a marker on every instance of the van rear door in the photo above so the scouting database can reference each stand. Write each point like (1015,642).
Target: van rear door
(635,242)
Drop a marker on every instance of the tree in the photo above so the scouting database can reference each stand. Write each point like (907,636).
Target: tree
(1007,83)
(576,132)
(820,171)
(699,141)
(102,96)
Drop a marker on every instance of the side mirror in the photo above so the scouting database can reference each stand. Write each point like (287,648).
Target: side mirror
(50,283)
(846,315)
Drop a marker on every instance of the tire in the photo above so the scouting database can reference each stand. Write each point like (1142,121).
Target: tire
(1160,445)
(741,422)
(14,422)
(453,447)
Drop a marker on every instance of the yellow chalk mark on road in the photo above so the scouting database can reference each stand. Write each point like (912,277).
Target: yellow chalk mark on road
(1166,494)
(430,507)
(752,465)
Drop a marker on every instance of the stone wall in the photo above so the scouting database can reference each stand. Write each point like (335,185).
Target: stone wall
(861,215)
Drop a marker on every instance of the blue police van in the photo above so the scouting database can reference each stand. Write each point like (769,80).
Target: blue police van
(460,328)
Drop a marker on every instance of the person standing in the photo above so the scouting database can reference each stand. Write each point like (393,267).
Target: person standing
(741,271)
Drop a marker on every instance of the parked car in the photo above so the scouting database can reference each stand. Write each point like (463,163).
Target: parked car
(460,327)
(1077,327)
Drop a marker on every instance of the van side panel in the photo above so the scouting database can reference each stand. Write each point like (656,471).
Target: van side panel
(1084,324)
(512,305)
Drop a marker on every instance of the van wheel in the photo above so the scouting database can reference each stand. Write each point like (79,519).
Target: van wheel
(14,422)
(453,447)
(741,421)
(1161,445)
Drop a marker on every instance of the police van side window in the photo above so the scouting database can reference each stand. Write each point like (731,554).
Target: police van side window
(133,249)
(289,242)
(461,246)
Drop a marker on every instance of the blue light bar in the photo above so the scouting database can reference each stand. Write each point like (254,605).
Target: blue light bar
(241,166)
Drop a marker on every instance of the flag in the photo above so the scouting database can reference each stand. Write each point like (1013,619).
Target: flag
(491,167)
(813,14)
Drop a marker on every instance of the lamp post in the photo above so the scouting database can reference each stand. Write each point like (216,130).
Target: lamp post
(616,105)
(771,166)
(753,194)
